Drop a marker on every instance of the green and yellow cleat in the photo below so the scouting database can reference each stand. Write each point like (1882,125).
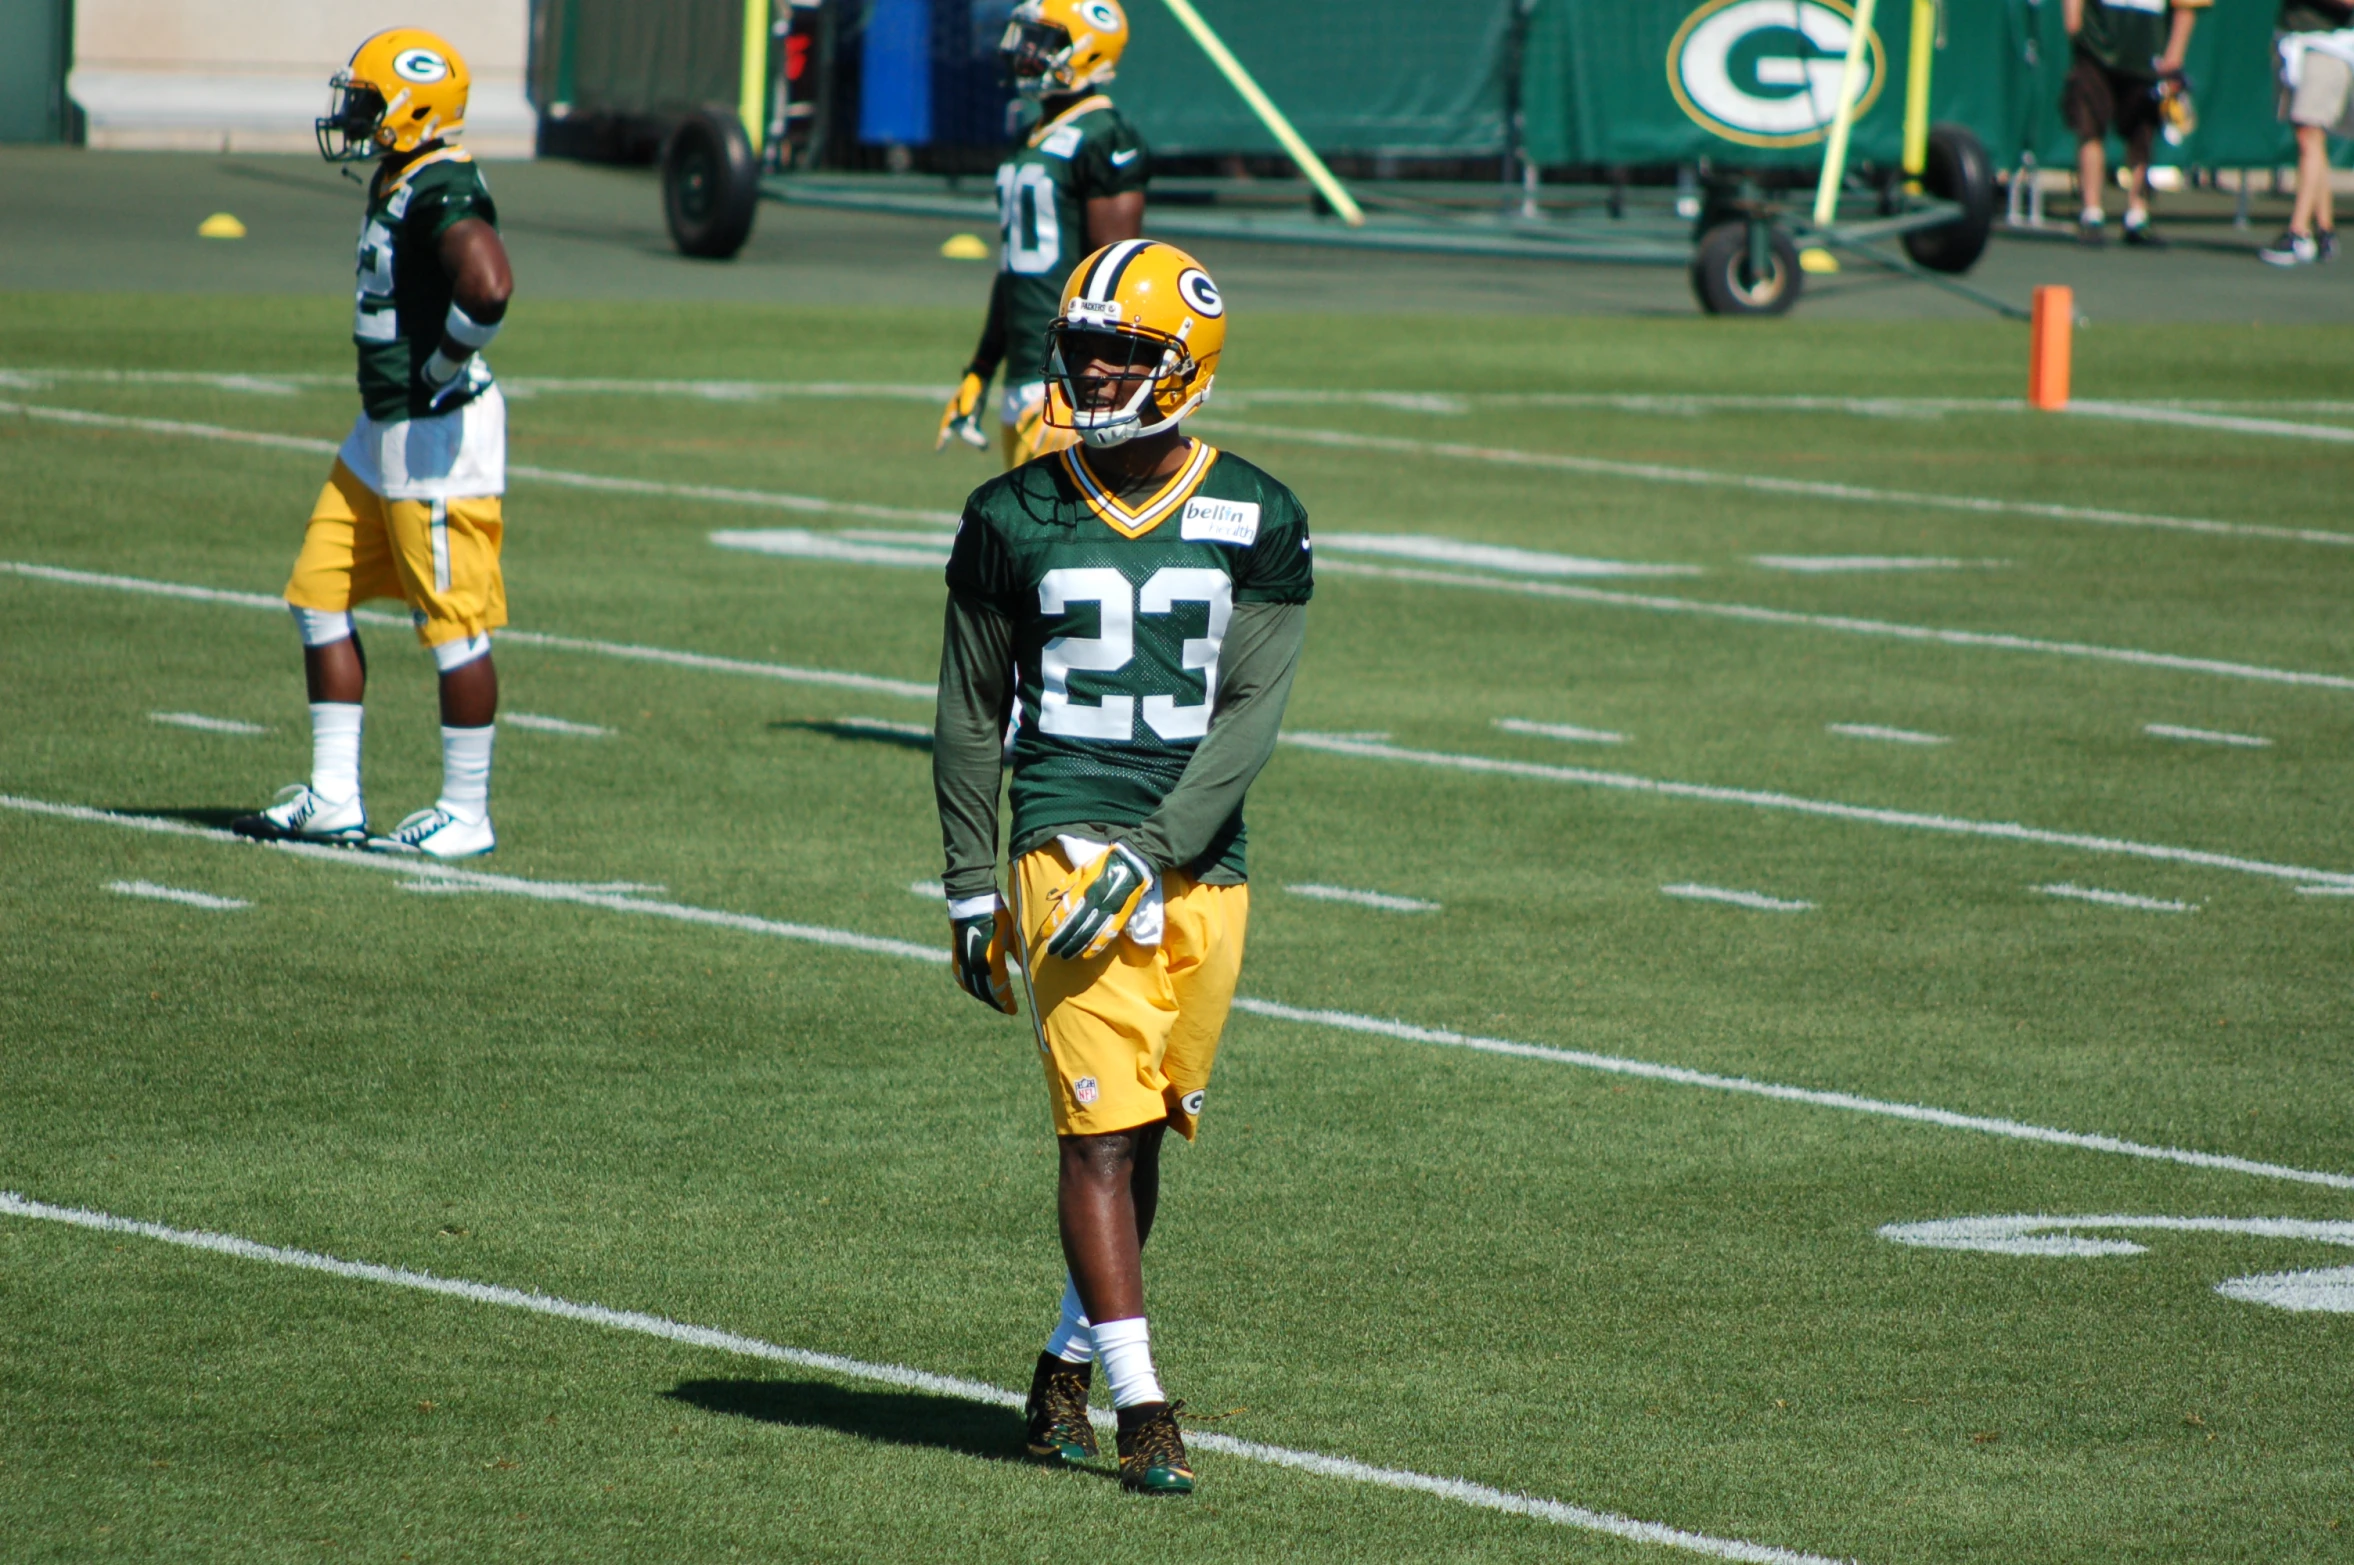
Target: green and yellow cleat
(1152,1451)
(1057,1410)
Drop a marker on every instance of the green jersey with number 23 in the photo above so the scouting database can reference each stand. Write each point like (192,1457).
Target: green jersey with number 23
(403,292)
(1085,153)
(1117,616)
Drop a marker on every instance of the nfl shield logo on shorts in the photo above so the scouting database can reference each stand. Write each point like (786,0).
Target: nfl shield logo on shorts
(1084,1090)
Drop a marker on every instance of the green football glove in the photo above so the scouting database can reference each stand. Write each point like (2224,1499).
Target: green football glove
(977,947)
(963,418)
(1090,912)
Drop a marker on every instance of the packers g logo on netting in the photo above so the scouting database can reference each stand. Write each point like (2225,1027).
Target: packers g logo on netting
(1196,289)
(422,66)
(1765,73)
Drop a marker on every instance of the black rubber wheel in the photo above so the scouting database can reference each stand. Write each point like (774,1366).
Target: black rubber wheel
(710,184)
(1727,284)
(1959,170)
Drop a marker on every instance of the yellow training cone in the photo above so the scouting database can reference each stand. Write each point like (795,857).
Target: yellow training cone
(965,247)
(220,226)
(1817,260)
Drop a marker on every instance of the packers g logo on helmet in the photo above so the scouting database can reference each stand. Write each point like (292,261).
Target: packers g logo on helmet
(403,88)
(1138,314)
(1054,47)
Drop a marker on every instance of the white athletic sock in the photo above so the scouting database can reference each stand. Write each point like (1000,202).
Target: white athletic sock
(2136,215)
(1072,1341)
(335,750)
(465,772)
(1125,1347)
(2092,214)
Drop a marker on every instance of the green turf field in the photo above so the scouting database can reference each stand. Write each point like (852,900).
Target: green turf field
(1654,1298)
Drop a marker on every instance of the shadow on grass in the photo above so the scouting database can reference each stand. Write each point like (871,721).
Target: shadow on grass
(993,1434)
(216,816)
(903,736)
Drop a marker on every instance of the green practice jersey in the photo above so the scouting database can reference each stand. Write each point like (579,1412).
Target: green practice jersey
(1117,615)
(403,293)
(1084,153)
(2128,36)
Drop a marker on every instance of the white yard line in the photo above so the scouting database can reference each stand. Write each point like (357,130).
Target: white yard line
(1995,641)
(1373,899)
(1489,556)
(2230,424)
(1890,735)
(1762,483)
(2205,736)
(547,891)
(799,544)
(209,725)
(661,1327)
(718,494)
(2116,899)
(204,900)
(930,889)
(2009,831)
(882,725)
(552,725)
(1568,731)
(1832,564)
(705,662)
(1748,899)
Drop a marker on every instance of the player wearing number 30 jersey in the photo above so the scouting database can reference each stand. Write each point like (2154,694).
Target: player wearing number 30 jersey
(1074,185)
(1136,604)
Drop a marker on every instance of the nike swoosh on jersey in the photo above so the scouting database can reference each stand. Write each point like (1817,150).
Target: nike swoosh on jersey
(1124,158)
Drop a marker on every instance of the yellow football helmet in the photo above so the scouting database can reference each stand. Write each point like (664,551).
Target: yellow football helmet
(1137,312)
(403,88)
(1055,47)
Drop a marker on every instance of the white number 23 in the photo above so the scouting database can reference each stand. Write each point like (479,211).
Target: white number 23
(1114,717)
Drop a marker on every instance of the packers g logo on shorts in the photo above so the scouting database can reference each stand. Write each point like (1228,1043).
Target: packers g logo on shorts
(1192,1102)
(422,66)
(1765,73)
(1196,289)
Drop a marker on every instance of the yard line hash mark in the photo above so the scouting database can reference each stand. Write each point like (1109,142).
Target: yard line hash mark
(705,662)
(553,725)
(546,891)
(931,890)
(801,544)
(1748,899)
(2328,1290)
(2009,831)
(1891,735)
(1495,557)
(209,725)
(2116,898)
(1461,1491)
(2205,736)
(1762,483)
(202,899)
(1373,899)
(1568,731)
(1828,564)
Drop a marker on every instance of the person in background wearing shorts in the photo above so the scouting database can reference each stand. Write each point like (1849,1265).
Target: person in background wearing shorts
(2317,97)
(2123,50)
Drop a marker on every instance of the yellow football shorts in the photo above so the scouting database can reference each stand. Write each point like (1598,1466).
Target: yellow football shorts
(1129,1037)
(440,557)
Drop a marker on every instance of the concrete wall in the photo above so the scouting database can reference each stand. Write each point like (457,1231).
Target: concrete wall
(251,75)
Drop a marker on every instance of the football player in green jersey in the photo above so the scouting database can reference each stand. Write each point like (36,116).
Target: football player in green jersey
(1075,185)
(1135,605)
(412,508)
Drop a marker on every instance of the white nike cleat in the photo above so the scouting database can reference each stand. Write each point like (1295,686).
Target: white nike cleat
(300,815)
(438,834)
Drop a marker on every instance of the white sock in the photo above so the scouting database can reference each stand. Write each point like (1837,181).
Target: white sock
(2092,214)
(465,772)
(2136,216)
(1072,1341)
(1125,1347)
(335,750)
